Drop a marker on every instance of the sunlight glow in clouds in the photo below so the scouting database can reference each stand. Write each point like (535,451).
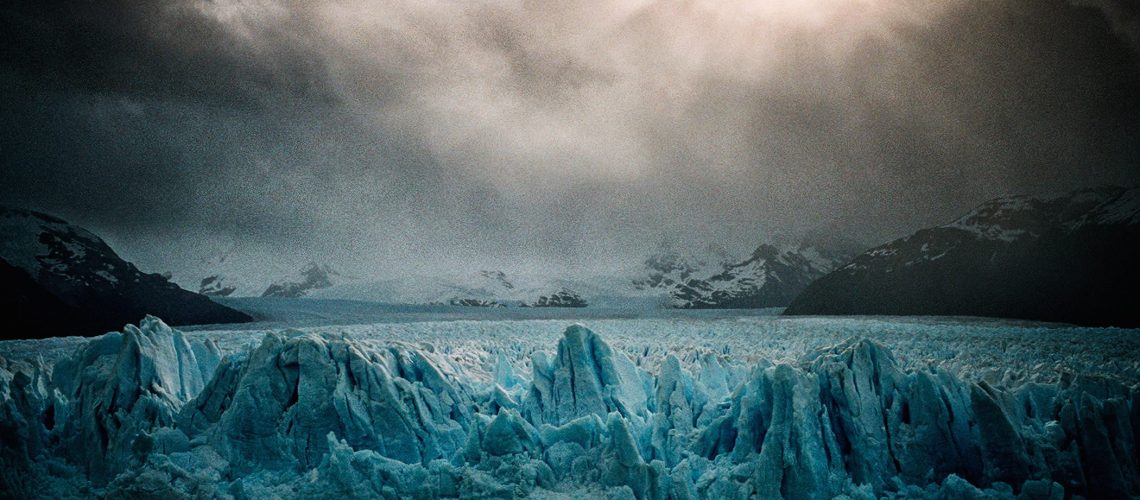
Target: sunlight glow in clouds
(461,134)
(558,92)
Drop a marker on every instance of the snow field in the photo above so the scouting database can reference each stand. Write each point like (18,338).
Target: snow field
(997,351)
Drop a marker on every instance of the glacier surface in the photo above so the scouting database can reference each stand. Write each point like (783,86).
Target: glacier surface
(662,408)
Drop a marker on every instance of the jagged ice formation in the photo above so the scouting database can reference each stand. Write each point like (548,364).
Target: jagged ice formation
(151,412)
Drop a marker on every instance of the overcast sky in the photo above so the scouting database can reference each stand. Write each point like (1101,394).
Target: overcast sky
(387,135)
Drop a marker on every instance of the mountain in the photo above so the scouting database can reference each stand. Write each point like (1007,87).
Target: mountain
(231,272)
(311,277)
(487,288)
(770,277)
(216,286)
(482,288)
(561,298)
(236,272)
(1068,258)
(57,279)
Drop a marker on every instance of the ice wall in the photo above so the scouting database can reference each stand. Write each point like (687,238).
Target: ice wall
(146,413)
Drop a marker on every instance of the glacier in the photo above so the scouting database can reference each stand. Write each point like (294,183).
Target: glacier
(377,412)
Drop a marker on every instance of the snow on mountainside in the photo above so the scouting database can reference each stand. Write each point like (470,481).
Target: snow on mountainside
(488,288)
(770,277)
(561,298)
(155,413)
(311,277)
(1012,218)
(59,279)
(232,272)
(235,273)
(1068,257)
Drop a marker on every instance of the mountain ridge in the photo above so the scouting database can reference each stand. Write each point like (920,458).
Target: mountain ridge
(58,279)
(1068,257)
(768,277)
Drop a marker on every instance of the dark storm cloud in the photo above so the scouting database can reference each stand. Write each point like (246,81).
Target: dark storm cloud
(443,134)
(166,49)
(1123,14)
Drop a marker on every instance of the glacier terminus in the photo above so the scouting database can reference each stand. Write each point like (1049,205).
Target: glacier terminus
(371,412)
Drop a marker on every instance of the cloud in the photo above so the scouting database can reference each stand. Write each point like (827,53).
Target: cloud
(526,133)
(1124,15)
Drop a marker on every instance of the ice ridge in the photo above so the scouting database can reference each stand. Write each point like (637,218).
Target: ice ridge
(146,413)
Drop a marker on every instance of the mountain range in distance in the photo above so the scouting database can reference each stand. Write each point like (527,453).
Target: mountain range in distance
(1064,258)
(768,277)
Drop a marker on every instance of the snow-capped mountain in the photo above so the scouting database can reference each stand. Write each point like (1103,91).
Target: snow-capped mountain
(239,273)
(311,277)
(231,272)
(1069,257)
(477,288)
(484,288)
(769,277)
(561,298)
(60,279)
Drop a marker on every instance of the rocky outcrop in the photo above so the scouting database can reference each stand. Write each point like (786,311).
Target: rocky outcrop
(215,286)
(470,302)
(561,298)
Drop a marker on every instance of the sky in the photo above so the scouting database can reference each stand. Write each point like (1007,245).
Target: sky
(389,136)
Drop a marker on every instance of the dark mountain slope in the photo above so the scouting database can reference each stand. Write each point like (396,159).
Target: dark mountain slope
(1070,258)
(58,279)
